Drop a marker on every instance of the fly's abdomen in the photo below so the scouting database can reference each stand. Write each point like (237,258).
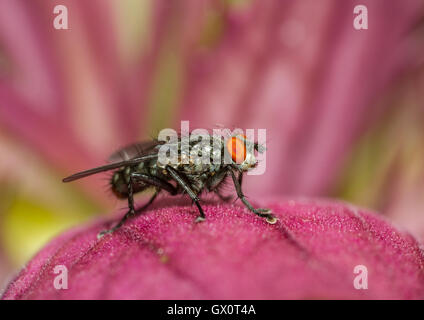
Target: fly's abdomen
(121,178)
(118,185)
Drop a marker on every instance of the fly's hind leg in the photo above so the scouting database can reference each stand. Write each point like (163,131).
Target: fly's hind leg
(130,213)
(153,181)
(131,210)
(264,213)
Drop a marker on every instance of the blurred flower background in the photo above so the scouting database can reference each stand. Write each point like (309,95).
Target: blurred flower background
(343,108)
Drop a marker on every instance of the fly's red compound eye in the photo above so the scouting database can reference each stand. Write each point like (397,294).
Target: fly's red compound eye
(236,147)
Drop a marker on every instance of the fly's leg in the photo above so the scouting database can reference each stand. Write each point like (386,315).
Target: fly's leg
(174,174)
(131,211)
(240,178)
(240,182)
(153,181)
(264,213)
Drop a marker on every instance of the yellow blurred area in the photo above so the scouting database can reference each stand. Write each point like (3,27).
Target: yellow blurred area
(34,204)
(28,225)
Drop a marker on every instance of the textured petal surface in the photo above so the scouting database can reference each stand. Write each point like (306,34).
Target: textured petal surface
(311,252)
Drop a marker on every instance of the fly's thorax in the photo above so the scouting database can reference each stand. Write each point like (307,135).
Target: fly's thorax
(201,155)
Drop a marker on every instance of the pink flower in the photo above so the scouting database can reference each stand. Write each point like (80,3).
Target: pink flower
(311,252)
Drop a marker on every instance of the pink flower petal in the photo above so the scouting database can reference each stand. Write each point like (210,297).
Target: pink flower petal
(310,252)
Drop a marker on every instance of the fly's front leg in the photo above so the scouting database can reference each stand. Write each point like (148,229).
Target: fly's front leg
(264,213)
(174,174)
(240,178)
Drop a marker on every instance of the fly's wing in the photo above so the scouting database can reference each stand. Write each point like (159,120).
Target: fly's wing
(129,155)
(111,166)
(135,150)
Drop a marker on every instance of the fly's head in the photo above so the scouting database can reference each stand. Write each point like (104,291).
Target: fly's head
(242,152)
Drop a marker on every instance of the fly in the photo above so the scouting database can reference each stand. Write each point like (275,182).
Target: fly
(138,167)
